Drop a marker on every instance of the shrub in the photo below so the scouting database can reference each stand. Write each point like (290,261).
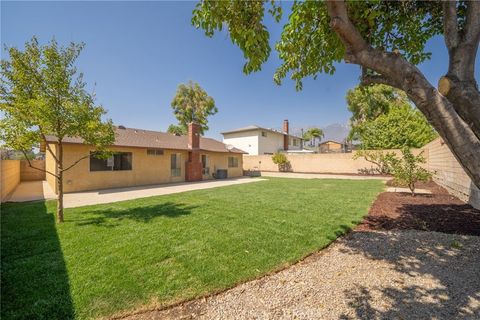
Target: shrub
(408,171)
(281,160)
(384,162)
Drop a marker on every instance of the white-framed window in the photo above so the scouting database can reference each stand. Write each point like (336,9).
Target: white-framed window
(175,164)
(232,162)
(205,168)
(119,161)
(155,152)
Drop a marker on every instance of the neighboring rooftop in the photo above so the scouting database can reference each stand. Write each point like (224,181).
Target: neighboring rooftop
(130,137)
(255,127)
(327,141)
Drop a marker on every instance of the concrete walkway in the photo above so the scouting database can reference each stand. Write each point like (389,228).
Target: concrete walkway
(31,191)
(78,199)
(417,191)
(320,176)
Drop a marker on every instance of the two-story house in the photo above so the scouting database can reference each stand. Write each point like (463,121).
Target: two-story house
(257,140)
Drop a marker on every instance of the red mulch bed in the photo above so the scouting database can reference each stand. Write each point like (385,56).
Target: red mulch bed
(438,211)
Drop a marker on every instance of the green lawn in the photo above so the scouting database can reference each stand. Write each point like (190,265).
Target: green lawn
(116,257)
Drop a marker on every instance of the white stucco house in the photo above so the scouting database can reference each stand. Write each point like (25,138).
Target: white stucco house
(257,140)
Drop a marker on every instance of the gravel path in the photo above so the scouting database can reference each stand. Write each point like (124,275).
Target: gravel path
(366,275)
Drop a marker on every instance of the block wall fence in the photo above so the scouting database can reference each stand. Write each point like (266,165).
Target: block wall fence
(14,171)
(447,171)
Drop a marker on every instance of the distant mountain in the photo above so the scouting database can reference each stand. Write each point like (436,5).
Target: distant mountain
(336,132)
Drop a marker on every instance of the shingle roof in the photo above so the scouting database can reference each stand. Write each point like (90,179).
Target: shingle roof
(130,137)
(255,127)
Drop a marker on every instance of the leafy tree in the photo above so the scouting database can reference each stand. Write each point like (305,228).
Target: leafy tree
(177,129)
(386,38)
(192,104)
(401,127)
(368,103)
(312,134)
(408,170)
(41,94)
(383,161)
(281,160)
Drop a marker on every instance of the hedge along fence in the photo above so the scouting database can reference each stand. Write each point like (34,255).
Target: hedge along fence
(316,162)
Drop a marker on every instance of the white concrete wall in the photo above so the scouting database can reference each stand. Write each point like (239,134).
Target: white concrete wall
(255,144)
(245,140)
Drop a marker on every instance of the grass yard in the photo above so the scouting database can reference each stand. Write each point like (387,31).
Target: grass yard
(112,258)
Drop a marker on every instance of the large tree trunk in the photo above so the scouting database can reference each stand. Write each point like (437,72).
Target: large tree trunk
(455,114)
(60,182)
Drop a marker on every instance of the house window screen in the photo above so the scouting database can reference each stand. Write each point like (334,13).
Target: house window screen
(232,162)
(175,165)
(205,168)
(118,162)
(155,152)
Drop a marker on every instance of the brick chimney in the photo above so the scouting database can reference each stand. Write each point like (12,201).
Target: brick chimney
(193,167)
(193,135)
(285,135)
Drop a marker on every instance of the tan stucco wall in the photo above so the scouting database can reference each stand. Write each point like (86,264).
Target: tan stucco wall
(450,174)
(10,171)
(217,160)
(146,169)
(314,163)
(28,173)
(50,166)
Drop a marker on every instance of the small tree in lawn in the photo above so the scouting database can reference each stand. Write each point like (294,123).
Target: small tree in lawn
(192,104)
(408,171)
(40,95)
(281,160)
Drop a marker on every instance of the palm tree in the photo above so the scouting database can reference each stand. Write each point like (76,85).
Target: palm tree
(312,134)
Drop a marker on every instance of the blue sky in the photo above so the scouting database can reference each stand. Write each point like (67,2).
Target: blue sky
(138,52)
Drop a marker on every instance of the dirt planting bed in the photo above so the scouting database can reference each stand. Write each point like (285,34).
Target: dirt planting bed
(438,211)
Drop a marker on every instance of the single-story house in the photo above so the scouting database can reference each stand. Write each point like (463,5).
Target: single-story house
(256,140)
(143,157)
(330,146)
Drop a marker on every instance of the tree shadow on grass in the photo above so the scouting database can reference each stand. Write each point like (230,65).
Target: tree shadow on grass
(34,277)
(452,264)
(112,217)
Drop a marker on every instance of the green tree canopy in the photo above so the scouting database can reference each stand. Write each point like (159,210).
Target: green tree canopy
(386,38)
(402,126)
(177,129)
(42,94)
(368,103)
(192,104)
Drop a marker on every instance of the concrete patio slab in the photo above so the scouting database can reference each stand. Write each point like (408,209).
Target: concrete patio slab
(320,176)
(32,191)
(78,199)
(417,191)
